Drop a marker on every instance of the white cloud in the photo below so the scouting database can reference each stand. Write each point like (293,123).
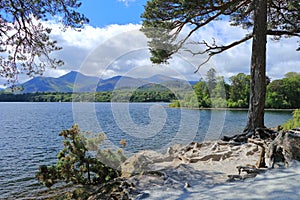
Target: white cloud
(126,2)
(282,56)
(122,50)
(78,45)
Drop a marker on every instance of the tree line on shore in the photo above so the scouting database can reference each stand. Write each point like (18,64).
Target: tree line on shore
(115,96)
(211,92)
(214,92)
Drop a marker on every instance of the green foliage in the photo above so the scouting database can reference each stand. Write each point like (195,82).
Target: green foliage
(111,158)
(209,93)
(284,93)
(219,91)
(48,175)
(218,103)
(148,93)
(239,91)
(175,104)
(211,79)
(202,93)
(294,122)
(281,94)
(155,93)
(190,101)
(75,163)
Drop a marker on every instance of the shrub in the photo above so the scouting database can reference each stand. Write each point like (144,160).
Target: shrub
(76,164)
(294,122)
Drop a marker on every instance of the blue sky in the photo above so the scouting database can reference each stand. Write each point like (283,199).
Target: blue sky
(106,12)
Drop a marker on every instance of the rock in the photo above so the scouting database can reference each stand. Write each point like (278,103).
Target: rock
(136,164)
(284,148)
(174,150)
(142,161)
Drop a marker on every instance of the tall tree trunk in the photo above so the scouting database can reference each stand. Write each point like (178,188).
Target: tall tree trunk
(258,68)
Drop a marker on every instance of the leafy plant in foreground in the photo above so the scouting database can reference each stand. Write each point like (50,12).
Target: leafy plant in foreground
(75,163)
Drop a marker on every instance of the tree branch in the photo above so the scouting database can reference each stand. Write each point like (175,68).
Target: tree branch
(280,33)
(213,49)
(221,9)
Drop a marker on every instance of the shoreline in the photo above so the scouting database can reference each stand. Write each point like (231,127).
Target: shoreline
(152,175)
(200,169)
(222,109)
(235,109)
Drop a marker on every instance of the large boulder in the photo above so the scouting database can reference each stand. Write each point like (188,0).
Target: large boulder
(284,149)
(142,162)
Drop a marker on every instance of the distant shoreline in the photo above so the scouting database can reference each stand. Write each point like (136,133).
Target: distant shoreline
(235,109)
(187,108)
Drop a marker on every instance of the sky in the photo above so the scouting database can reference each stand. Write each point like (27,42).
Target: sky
(111,44)
(104,13)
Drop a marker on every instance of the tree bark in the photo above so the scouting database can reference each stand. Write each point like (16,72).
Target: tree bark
(258,68)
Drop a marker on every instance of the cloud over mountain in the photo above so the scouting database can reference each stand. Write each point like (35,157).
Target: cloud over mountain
(122,50)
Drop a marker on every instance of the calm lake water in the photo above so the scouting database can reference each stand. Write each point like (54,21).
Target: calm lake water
(29,132)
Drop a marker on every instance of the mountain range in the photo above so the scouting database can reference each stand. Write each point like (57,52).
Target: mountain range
(78,82)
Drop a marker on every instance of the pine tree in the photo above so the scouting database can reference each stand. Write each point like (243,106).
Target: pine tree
(164,21)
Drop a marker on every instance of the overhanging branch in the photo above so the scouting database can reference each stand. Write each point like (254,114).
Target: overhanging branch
(280,33)
(219,11)
(213,49)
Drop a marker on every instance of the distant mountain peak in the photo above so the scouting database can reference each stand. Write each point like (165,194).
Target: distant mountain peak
(76,81)
(70,76)
(159,78)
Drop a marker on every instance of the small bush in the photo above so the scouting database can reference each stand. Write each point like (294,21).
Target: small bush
(76,164)
(294,122)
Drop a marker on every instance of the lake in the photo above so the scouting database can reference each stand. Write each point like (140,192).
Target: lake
(29,132)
